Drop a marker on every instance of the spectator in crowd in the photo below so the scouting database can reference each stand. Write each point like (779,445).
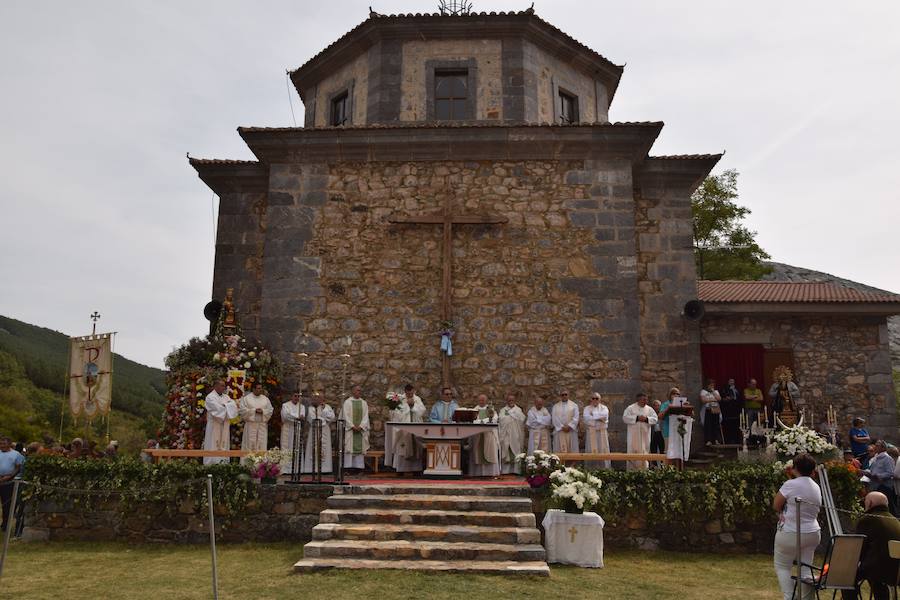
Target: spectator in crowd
(11,463)
(800,486)
(875,564)
(657,440)
(711,413)
(753,401)
(852,460)
(881,474)
(860,440)
(76,448)
(732,406)
(112,450)
(151,445)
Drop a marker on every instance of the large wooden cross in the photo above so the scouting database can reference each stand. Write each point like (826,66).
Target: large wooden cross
(448,220)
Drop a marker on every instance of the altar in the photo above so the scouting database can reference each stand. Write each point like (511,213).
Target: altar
(442,443)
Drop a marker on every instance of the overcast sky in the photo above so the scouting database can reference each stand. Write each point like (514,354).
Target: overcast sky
(101,100)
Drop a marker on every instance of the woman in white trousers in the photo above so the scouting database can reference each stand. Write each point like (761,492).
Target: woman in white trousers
(791,515)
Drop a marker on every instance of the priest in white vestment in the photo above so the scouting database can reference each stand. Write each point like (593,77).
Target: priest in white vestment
(640,417)
(220,409)
(355,413)
(565,424)
(484,450)
(539,424)
(291,412)
(511,423)
(596,435)
(443,409)
(324,415)
(256,410)
(407,452)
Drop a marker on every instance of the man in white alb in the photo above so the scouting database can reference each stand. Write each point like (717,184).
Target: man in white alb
(512,420)
(565,424)
(407,453)
(484,452)
(292,412)
(596,436)
(539,425)
(220,409)
(324,415)
(355,413)
(640,417)
(256,410)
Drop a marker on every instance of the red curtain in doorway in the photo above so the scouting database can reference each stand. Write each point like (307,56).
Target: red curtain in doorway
(724,361)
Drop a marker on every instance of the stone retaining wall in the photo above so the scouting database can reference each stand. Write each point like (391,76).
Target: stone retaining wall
(289,512)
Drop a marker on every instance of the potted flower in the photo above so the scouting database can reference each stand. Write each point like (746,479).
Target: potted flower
(788,442)
(538,467)
(266,466)
(574,490)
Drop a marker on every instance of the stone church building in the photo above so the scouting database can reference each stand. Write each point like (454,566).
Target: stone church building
(462,171)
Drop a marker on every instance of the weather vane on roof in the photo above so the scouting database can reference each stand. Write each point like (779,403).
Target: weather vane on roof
(454,7)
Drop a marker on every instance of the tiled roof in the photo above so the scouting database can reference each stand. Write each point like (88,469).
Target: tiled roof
(779,292)
(373,16)
(684,157)
(456,125)
(221,161)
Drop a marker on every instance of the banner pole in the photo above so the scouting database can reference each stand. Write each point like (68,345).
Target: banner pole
(9,524)
(212,537)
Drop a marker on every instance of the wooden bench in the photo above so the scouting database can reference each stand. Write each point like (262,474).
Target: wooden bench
(160,453)
(575,457)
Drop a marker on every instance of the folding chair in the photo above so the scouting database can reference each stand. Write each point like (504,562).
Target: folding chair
(838,570)
(894,552)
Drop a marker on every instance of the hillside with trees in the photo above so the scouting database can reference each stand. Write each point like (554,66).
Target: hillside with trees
(33,379)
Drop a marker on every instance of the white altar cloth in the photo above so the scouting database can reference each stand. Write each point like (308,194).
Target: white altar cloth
(572,539)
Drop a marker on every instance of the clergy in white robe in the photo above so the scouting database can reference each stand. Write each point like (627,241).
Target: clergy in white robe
(355,413)
(292,412)
(256,410)
(324,414)
(565,424)
(220,409)
(539,424)
(596,435)
(484,449)
(443,409)
(407,451)
(511,424)
(640,417)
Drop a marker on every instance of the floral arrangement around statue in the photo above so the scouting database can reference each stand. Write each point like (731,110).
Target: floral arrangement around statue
(791,441)
(574,490)
(538,467)
(266,466)
(192,370)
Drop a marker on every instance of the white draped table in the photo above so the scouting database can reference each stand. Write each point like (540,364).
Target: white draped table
(679,447)
(442,442)
(572,539)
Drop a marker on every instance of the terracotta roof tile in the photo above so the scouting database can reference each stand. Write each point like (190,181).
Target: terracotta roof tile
(778,291)
(684,157)
(221,161)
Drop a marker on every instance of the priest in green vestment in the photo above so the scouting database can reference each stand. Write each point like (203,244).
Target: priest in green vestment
(355,413)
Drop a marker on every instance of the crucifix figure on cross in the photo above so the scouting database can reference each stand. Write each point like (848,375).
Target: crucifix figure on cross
(447,219)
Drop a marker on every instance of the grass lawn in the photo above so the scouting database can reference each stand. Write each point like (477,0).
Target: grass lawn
(99,570)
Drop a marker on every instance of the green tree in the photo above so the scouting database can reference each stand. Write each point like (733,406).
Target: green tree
(723,247)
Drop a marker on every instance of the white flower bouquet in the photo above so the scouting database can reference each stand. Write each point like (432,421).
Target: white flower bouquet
(791,441)
(538,467)
(574,490)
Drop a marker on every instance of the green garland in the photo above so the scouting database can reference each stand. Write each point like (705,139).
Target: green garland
(134,482)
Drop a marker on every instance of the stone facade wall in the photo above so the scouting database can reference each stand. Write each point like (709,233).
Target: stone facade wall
(354,74)
(551,70)
(240,240)
(545,301)
(839,361)
(281,513)
(488,93)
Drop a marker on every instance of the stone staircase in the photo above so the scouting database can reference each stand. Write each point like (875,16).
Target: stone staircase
(437,527)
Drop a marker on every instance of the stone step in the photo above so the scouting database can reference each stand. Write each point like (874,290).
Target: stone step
(431,502)
(434,533)
(395,550)
(487,567)
(436,489)
(427,517)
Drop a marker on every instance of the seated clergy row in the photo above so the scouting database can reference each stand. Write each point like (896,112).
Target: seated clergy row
(490,453)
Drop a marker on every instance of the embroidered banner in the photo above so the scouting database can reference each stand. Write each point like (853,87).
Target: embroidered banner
(90,375)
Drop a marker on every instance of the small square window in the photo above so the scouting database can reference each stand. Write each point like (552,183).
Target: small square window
(340,106)
(451,90)
(568,107)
